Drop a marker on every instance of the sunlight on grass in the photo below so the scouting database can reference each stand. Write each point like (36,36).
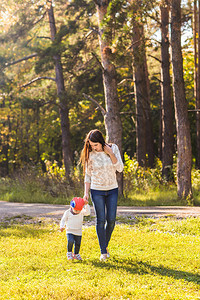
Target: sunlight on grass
(153,259)
(154,197)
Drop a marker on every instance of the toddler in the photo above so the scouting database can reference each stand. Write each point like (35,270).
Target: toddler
(73,220)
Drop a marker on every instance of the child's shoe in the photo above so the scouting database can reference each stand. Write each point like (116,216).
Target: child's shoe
(77,256)
(69,256)
(103,257)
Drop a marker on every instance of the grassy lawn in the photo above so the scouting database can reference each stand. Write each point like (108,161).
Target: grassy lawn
(150,259)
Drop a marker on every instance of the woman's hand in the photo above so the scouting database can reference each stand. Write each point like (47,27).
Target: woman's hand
(108,149)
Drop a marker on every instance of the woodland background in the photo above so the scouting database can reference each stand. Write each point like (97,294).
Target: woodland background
(128,68)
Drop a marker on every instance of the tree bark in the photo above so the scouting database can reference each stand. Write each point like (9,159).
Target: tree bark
(197,73)
(166,98)
(4,144)
(144,131)
(63,108)
(184,161)
(112,118)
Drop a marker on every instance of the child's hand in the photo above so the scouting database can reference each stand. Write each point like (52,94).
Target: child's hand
(86,197)
(85,201)
(62,229)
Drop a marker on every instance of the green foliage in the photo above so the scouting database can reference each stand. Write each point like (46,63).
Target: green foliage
(29,118)
(141,178)
(31,185)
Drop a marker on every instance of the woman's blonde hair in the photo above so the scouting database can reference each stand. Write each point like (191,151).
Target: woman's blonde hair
(94,136)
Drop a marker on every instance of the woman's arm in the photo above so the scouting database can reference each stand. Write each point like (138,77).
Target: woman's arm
(115,157)
(87,189)
(109,151)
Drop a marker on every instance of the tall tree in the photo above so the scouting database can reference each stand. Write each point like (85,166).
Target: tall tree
(197,81)
(144,130)
(64,110)
(47,57)
(184,161)
(112,118)
(166,100)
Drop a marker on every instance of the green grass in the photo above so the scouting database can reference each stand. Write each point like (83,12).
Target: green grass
(153,197)
(30,186)
(37,191)
(150,259)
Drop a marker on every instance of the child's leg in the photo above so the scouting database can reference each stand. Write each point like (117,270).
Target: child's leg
(70,242)
(77,243)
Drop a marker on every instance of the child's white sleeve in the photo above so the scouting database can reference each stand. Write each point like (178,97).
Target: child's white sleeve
(64,219)
(86,210)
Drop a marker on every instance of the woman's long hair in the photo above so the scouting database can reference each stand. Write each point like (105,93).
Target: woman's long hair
(94,136)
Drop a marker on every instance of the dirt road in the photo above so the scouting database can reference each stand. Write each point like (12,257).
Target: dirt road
(9,209)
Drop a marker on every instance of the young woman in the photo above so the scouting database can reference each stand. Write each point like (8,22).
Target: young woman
(100,162)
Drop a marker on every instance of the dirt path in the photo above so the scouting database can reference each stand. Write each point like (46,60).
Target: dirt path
(9,209)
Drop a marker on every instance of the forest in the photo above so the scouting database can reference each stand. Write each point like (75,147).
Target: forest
(129,68)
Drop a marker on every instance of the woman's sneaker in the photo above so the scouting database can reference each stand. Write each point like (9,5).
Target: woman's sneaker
(69,256)
(108,254)
(77,256)
(103,257)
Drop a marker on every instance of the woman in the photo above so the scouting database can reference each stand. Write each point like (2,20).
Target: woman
(100,162)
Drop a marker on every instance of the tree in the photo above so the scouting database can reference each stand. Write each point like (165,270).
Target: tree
(112,118)
(184,160)
(48,57)
(144,130)
(197,81)
(166,101)
(64,110)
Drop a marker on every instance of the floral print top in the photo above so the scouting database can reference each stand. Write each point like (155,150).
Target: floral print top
(101,172)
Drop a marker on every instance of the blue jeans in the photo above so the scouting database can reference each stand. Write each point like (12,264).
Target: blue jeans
(105,205)
(75,240)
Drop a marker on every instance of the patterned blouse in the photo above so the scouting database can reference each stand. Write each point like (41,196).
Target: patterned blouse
(101,172)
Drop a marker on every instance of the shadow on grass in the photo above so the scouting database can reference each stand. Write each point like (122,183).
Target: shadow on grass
(139,267)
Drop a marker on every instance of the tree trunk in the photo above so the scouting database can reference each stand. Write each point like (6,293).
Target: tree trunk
(4,147)
(112,118)
(166,100)
(149,126)
(64,111)
(144,131)
(184,160)
(197,66)
(195,46)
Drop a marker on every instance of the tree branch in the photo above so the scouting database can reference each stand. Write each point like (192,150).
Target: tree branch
(96,102)
(197,110)
(21,59)
(36,79)
(95,56)
(160,81)
(124,80)
(94,30)
(42,17)
(44,37)
(155,58)
(132,44)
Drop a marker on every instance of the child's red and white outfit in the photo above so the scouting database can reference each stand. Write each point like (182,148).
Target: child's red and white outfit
(73,223)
